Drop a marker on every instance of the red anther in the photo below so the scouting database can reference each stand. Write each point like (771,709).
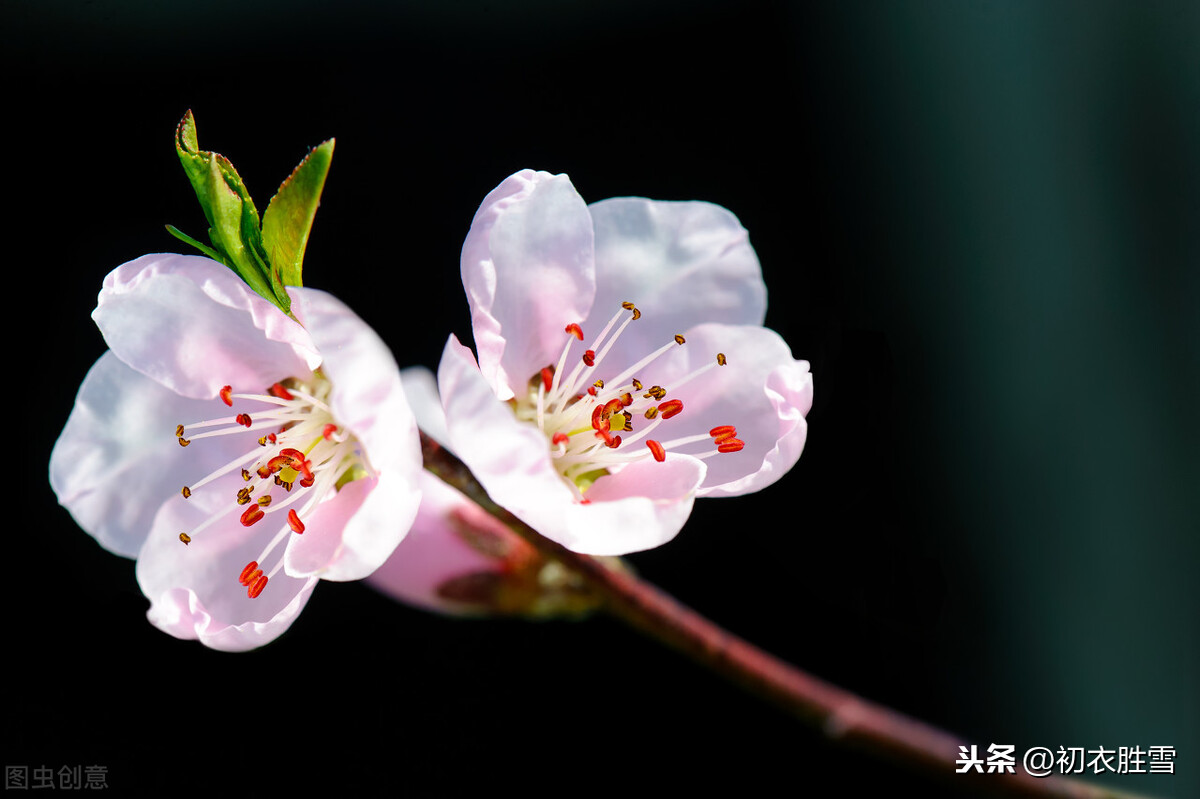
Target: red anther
(271,437)
(604,436)
(657,450)
(294,522)
(575,330)
(305,468)
(670,408)
(626,399)
(585,502)
(295,456)
(591,390)
(589,358)
(328,432)
(264,472)
(560,438)
(251,515)
(279,462)
(248,571)
(731,445)
(613,442)
(599,418)
(257,587)
(306,482)
(547,377)
(613,406)
(243,419)
(721,361)
(723,432)
(226,393)
(277,390)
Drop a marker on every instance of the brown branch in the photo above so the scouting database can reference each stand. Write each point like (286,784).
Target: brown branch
(838,714)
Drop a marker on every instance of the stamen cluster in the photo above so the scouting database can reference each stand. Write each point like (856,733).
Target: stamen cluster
(300,457)
(592,423)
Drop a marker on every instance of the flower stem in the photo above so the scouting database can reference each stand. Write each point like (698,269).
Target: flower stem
(840,715)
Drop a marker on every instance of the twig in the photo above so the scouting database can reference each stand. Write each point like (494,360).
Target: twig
(839,714)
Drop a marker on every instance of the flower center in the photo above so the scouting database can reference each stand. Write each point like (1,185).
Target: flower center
(300,455)
(595,425)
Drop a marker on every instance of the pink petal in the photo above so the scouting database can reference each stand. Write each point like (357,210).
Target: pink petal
(510,459)
(192,325)
(420,387)
(528,269)
(762,391)
(117,459)
(434,553)
(368,399)
(641,507)
(680,263)
(194,590)
(320,548)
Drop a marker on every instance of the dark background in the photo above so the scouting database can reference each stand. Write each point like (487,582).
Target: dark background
(978,221)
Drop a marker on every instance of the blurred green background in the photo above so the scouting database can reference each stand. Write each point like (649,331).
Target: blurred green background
(978,220)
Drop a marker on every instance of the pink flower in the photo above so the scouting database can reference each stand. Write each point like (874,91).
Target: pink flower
(623,369)
(460,560)
(238,454)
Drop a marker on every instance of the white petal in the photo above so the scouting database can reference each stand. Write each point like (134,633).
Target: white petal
(529,271)
(762,391)
(368,398)
(511,459)
(641,507)
(420,387)
(193,588)
(680,263)
(117,459)
(194,326)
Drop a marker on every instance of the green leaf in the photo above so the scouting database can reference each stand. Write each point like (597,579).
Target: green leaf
(268,256)
(186,239)
(195,163)
(228,212)
(288,219)
(232,217)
